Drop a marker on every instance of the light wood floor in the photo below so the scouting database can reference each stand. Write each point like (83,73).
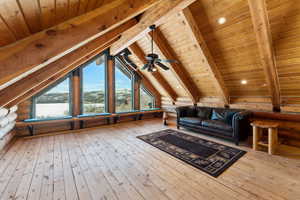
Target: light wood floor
(110,163)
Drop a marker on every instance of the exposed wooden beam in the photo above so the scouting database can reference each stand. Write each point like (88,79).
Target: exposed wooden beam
(65,64)
(177,68)
(263,34)
(157,15)
(26,56)
(56,77)
(135,49)
(197,37)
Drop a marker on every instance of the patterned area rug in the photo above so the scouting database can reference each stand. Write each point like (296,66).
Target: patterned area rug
(210,157)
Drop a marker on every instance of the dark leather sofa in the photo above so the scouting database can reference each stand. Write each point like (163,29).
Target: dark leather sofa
(231,124)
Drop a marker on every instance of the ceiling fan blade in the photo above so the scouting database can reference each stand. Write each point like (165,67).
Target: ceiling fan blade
(166,60)
(164,67)
(146,66)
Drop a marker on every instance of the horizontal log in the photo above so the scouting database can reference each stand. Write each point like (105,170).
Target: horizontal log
(277,116)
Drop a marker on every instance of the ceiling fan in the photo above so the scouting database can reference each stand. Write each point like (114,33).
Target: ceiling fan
(153,59)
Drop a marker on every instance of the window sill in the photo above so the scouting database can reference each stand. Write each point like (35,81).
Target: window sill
(47,119)
(93,115)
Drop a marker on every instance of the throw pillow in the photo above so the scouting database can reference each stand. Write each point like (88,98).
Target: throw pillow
(218,115)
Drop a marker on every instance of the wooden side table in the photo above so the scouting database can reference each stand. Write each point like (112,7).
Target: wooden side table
(272,127)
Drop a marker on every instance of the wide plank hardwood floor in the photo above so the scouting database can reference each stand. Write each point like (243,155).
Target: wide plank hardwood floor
(111,163)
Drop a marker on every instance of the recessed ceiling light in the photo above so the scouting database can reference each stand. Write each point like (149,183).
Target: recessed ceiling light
(244,82)
(221,20)
(154,69)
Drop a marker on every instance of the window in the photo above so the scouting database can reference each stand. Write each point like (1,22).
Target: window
(146,99)
(93,86)
(123,85)
(53,102)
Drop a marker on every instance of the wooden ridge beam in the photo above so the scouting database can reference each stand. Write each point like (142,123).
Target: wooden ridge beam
(64,65)
(177,68)
(35,52)
(263,34)
(197,37)
(136,49)
(157,15)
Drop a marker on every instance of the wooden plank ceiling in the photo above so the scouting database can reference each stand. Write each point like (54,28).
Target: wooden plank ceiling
(231,53)
(21,18)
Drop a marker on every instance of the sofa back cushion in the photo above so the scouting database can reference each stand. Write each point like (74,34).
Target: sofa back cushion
(190,111)
(203,112)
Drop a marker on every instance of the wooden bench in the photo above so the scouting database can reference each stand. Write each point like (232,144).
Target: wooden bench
(81,118)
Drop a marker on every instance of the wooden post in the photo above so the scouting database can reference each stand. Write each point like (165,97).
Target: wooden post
(137,84)
(111,84)
(272,134)
(76,96)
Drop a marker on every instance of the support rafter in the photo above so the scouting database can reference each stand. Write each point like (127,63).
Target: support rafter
(176,67)
(197,37)
(262,31)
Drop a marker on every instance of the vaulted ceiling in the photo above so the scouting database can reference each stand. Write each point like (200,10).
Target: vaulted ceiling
(213,58)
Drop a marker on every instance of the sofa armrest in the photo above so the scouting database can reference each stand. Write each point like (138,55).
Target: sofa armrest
(181,111)
(241,125)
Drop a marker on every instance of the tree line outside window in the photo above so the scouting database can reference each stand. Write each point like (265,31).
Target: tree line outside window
(56,101)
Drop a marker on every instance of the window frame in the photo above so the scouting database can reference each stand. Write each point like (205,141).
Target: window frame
(142,87)
(106,54)
(127,72)
(70,100)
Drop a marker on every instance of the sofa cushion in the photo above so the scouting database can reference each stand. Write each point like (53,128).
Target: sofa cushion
(218,114)
(191,120)
(203,113)
(217,124)
(190,112)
